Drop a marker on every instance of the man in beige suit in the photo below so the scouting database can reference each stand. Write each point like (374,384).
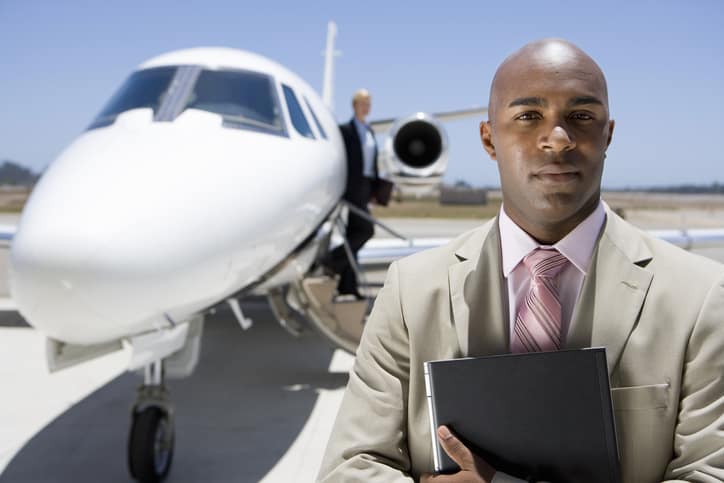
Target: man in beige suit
(658,310)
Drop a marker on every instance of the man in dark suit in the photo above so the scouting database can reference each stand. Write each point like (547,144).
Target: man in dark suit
(361,147)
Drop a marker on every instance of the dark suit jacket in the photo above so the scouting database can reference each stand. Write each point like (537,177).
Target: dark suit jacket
(357,190)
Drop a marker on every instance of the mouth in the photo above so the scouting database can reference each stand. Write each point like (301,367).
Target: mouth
(557,176)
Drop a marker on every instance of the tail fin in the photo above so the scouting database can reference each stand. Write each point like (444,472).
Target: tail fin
(329,53)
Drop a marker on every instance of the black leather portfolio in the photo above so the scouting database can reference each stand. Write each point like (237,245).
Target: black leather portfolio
(543,416)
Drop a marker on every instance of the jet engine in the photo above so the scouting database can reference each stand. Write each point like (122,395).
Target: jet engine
(415,153)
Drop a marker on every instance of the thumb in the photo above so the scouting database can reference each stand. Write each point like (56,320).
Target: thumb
(455,449)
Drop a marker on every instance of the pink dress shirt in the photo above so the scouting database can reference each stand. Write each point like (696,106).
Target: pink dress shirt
(577,246)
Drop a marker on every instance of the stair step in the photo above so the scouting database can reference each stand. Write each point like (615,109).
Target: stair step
(320,290)
(351,317)
(341,321)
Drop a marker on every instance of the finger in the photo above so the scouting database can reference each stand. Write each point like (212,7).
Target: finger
(428,478)
(455,449)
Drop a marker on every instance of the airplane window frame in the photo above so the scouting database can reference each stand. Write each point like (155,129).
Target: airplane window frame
(105,118)
(287,91)
(239,122)
(321,130)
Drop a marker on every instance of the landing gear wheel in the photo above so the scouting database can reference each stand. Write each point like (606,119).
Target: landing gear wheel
(150,445)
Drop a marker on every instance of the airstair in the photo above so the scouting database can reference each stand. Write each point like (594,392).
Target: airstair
(341,322)
(311,299)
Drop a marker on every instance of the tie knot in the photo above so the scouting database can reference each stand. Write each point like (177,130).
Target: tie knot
(544,263)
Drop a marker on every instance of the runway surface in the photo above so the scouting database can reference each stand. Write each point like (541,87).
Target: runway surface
(258,408)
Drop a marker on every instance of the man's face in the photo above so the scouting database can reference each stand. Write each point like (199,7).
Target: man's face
(548,132)
(362,107)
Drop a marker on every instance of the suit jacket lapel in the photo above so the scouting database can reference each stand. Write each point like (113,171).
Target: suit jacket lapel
(357,140)
(613,291)
(477,295)
(353,131)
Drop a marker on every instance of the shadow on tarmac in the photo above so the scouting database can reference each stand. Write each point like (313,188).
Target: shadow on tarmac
(236,416)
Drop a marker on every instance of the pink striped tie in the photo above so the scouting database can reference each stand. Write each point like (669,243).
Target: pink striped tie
(538,323)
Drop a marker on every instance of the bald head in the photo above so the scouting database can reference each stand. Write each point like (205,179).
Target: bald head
(555,59)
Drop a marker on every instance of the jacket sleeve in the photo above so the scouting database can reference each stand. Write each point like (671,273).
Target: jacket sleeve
(369,437)
(699,437)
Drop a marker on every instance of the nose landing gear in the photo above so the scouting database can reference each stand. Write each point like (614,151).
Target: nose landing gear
(151,439)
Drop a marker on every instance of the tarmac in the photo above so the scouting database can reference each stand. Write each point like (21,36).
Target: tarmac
(259,407)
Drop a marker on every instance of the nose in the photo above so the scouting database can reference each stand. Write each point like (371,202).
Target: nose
(557,140)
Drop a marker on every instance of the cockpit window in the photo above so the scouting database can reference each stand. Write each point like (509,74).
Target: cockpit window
(316,120)
(144,88)
(244,99)
(299,121)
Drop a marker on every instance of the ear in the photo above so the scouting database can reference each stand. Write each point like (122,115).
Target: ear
(486,136)
(611,125)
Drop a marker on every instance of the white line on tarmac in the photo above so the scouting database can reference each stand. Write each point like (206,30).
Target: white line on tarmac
(302,460)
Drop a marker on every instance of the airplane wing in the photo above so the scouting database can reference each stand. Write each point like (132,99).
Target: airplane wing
(694,238)
(381,126)
(7,232)
(380,252)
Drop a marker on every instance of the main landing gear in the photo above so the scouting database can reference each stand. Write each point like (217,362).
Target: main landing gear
(151,440)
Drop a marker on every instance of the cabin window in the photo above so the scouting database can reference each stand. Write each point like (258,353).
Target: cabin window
(244,99)
(299,121)
(316,120)
(144,88)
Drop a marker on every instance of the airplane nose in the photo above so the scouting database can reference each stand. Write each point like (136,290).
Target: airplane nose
(98,256)
(83,289)
(50,301)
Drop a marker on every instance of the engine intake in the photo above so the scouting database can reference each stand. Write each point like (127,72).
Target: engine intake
(415,152)
(418,144)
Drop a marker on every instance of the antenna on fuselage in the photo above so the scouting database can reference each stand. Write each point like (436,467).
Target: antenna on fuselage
(329,54)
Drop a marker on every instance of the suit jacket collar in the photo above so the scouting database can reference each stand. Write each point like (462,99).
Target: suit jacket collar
(608,306)
(478,296)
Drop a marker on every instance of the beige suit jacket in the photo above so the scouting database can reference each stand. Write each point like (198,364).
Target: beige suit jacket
(657,309)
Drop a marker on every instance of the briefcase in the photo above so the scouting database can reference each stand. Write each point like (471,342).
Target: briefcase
(382,191)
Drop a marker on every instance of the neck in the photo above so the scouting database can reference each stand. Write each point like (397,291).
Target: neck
(360,119)
(552,232)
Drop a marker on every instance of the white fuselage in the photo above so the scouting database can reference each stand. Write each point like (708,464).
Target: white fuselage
(142,221)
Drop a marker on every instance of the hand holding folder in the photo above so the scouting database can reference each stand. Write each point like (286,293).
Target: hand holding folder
(472,467)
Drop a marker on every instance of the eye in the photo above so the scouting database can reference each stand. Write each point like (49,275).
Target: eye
(582,116)
(528,116)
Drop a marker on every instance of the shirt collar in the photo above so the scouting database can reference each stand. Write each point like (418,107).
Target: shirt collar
(577,246)
(359,124)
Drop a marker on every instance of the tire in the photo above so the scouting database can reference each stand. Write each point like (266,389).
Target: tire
(148,460)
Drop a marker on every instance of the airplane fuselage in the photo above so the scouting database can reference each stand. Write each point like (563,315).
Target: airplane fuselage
(177,201)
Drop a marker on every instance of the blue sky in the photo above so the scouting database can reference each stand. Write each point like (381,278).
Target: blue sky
(664,61)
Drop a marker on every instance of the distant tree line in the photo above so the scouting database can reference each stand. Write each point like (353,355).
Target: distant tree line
(713,188)
(14,174)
